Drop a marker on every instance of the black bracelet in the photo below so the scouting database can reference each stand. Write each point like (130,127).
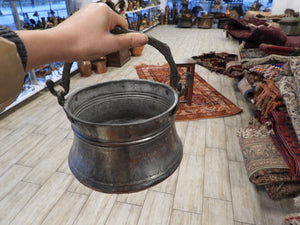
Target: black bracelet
(10,35)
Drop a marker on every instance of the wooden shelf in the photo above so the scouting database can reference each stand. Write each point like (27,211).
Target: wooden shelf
(149,8)
(149,28)
(142,9)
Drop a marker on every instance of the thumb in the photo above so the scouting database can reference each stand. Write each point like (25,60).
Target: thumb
(131,40)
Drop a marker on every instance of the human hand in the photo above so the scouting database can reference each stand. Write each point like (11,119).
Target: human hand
(83,36)
(88,30)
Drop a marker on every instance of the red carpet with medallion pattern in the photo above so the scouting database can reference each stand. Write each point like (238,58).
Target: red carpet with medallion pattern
(207,102)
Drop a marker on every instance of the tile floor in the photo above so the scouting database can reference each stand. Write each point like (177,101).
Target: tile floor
(209,188)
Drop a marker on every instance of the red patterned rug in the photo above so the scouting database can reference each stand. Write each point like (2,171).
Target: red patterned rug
(207,102)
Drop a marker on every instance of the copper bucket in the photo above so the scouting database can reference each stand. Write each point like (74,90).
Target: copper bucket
(205,21)
(125,138)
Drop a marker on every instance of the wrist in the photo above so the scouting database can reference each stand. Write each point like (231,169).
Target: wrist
(12,36)
(43,46)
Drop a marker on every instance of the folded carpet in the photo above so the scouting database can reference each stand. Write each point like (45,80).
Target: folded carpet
(281,190)
(215,62)
(279,50)
(287,87)
(284,137)
(263,162)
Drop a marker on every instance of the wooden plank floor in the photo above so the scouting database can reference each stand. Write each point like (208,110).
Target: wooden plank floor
(209,188)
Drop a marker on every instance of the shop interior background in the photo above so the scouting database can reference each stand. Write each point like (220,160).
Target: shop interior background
(26,10)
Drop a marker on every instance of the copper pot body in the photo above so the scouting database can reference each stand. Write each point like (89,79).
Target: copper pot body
(137,51)
(85,68)
(205,21)
(100,65)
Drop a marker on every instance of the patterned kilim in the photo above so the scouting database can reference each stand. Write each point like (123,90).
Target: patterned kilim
(285,139)
(207,102)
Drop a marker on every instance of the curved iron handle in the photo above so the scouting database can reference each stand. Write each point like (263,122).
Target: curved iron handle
(64,82)
(163,48)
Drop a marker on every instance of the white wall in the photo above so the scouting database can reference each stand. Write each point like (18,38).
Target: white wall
(280,5)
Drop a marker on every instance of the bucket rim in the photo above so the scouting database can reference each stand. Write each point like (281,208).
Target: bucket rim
(172,109)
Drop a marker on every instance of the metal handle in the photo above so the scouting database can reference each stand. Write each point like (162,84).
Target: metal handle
(64,82)
(164,49)
(160,46)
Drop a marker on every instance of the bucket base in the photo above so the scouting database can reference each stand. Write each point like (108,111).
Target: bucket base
(127,170)
(123,188)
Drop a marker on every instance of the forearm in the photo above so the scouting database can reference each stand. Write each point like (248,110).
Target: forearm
(43,46)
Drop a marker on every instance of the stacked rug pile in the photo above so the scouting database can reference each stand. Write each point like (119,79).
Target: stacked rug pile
(268,74)
(270,80)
